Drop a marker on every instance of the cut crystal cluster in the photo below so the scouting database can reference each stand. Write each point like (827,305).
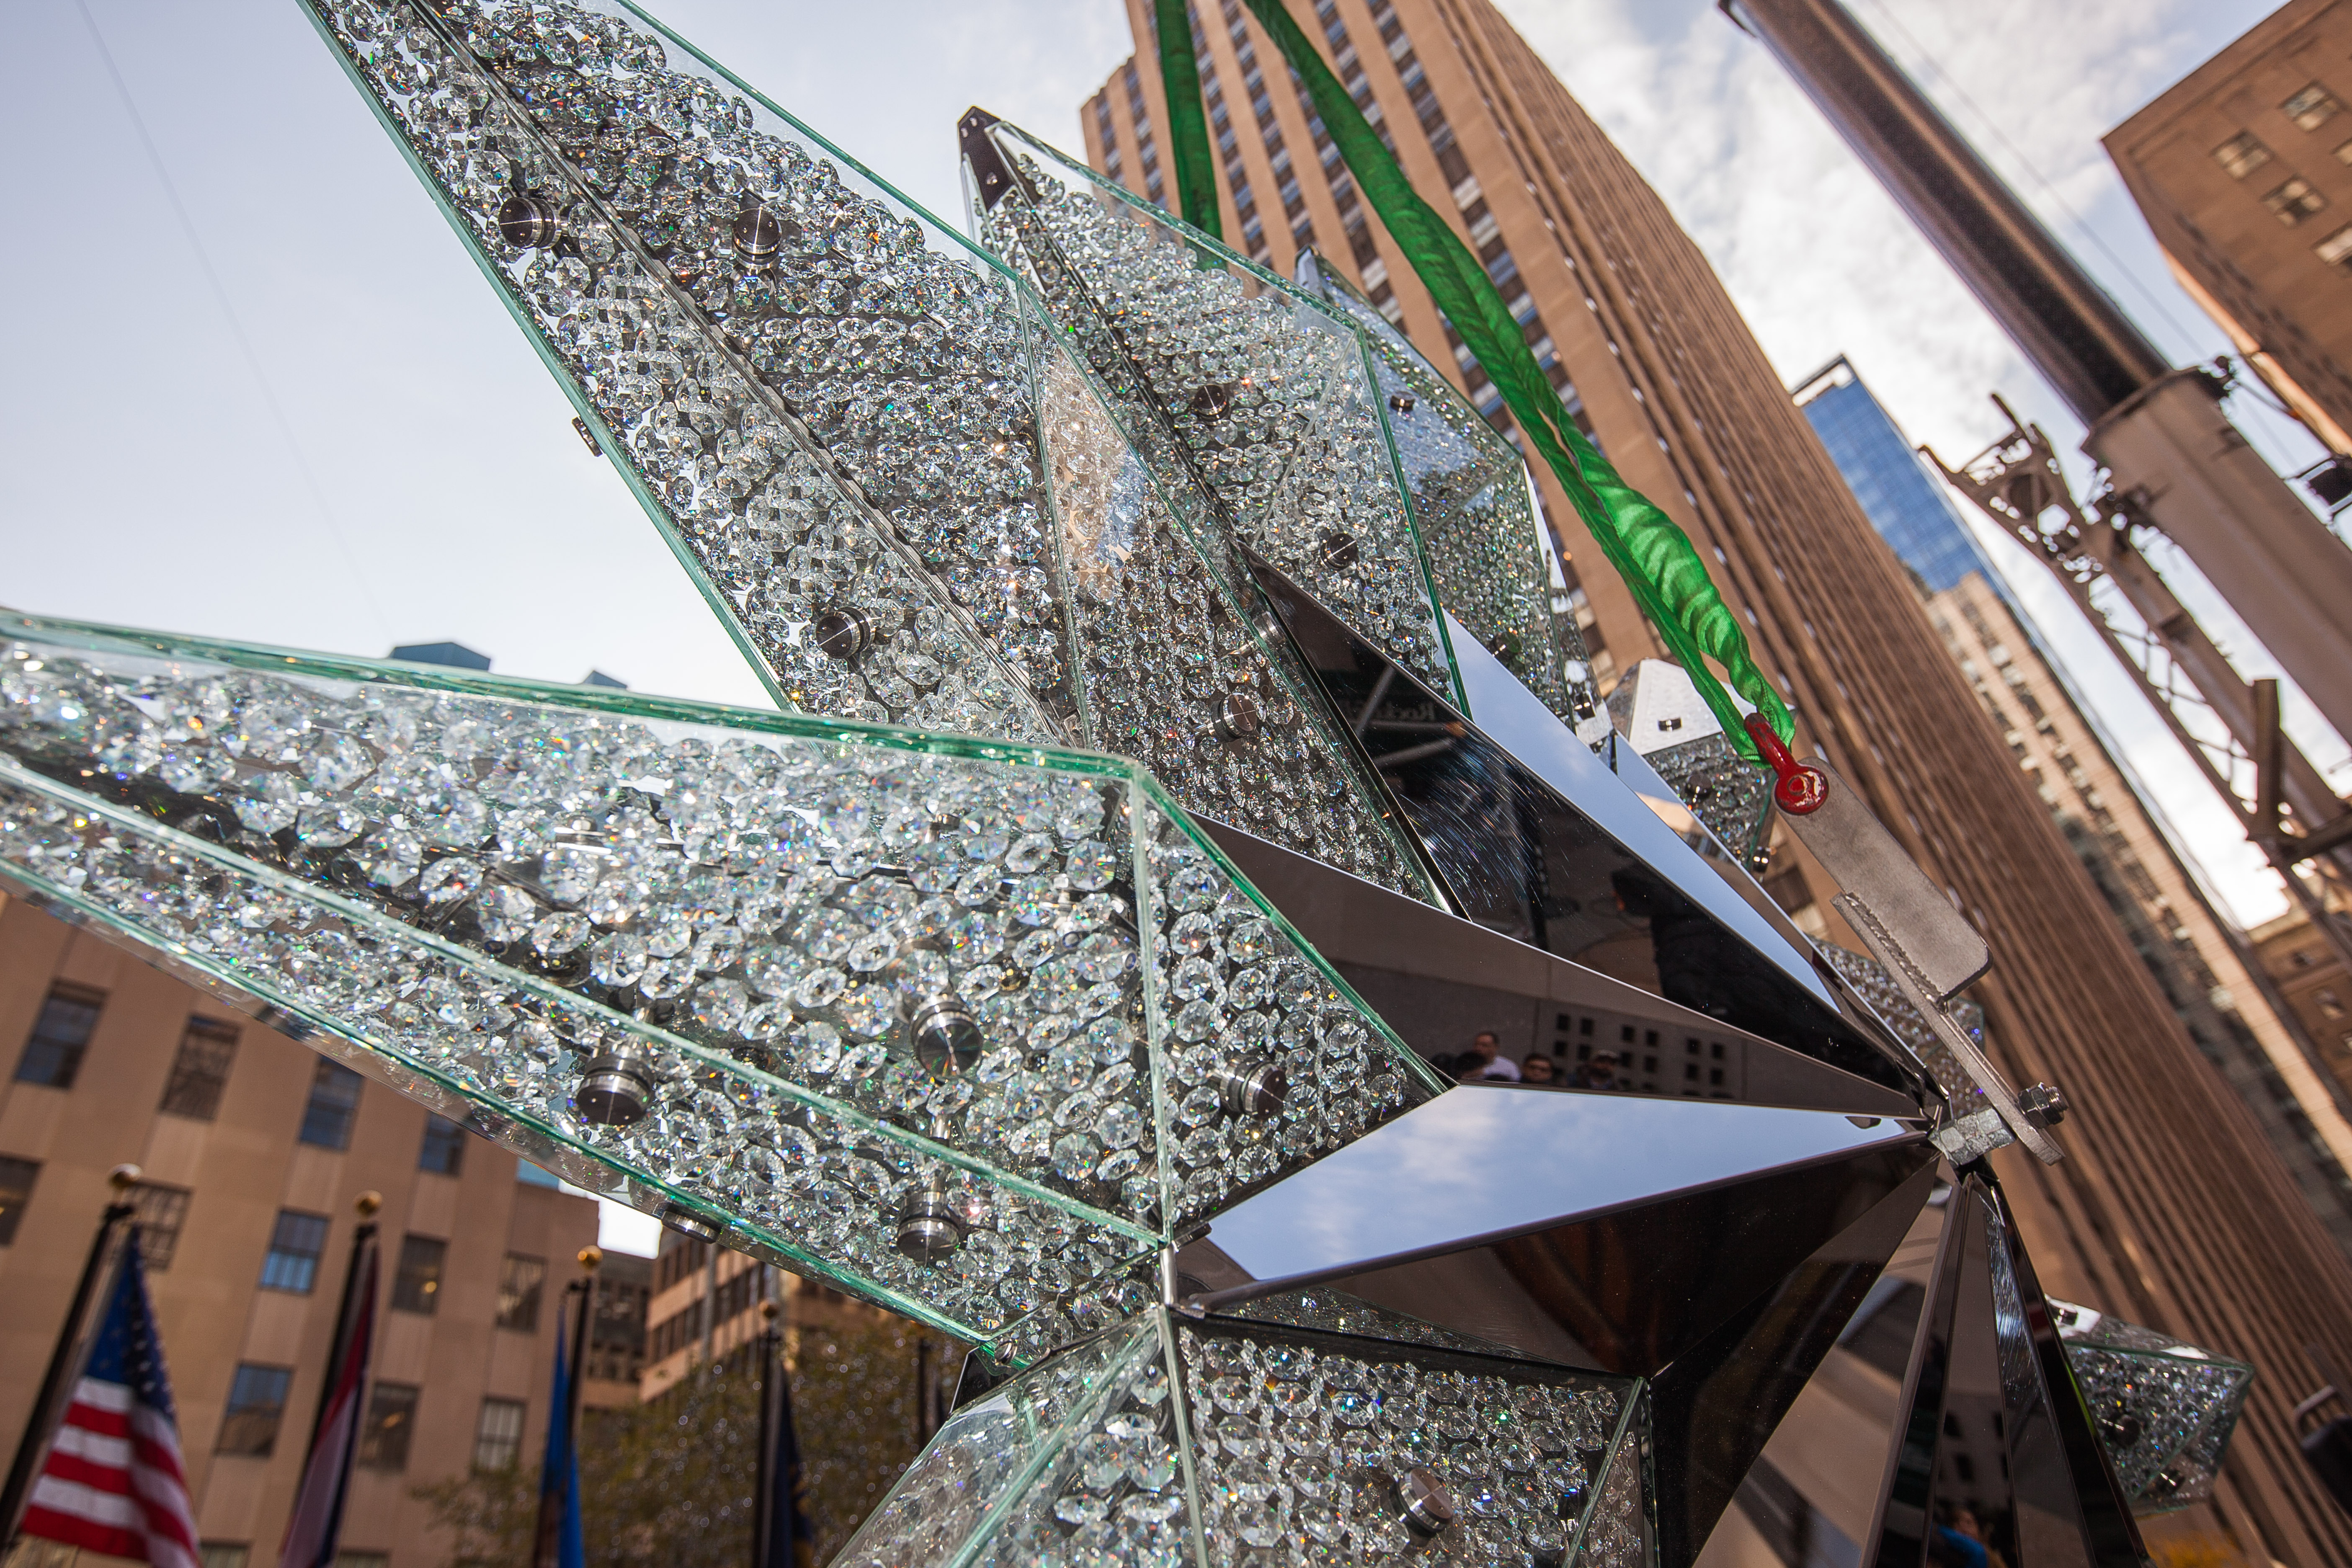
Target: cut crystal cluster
(831,408)
(1234,1445)
(1478,516)
(1875,986)
(2164,1409)
(1259,394)
(884,1006)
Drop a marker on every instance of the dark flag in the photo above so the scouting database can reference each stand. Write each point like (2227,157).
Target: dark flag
(318,1516)
(112,1482)
(792,1536)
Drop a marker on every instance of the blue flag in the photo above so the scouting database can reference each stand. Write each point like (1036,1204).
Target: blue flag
(561,1543)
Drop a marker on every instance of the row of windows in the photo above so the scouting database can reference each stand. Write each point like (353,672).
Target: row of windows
(2294,199)
(239,1554)
(257,1412)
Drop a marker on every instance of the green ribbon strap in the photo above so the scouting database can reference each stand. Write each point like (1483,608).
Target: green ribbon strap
(1188,127)
(1653,556)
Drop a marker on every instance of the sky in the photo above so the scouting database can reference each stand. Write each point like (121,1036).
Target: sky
(255,389)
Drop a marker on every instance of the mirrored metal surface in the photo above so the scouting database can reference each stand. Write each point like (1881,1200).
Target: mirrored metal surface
(1541,842)
(1594,1230)
(1718,1402)
(1437,980)
(1998,1452)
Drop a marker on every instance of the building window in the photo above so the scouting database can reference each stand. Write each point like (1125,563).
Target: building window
(200,1069)
(160,1212)
(418,1284)
(335,1105)
(16,1177)
(2242,155)
(53,1055)
(497,1436)
(518,1291)
(2312,108)
(257,1403)
(2295,201)
(223,1554)
(2330,1005)
(444,1146)
(362,1560)
(292,1262)
(390,1418)
(2336,248)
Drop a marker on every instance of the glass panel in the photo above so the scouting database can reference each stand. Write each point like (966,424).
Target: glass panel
(1266,392)
(876,1000)
(1317,1447)
(200,1069)
(1177,673)
(2164,1409)
(973,1471)
(1476,512)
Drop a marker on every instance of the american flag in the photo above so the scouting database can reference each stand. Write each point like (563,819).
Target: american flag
(113,1480)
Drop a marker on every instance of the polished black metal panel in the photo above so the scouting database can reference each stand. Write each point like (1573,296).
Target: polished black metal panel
(1528,861)
(1714,1406)
(1997,1444)
(1596,1230)
(2076,336)
(1434,978)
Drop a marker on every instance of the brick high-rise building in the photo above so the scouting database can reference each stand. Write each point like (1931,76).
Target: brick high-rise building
(2218,990)
(253,1150)
(2243,170)
(2171,1209)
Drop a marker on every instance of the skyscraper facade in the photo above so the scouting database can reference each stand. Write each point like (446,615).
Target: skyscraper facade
(252,1148)
(1910,509)
(2220,992)
(2243,170)
(2171,1209)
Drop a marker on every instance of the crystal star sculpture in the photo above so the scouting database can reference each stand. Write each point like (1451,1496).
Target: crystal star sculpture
(1179,749)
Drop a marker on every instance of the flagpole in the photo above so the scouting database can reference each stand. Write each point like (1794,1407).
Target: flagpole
(591,1259)
(40,1423)
(763,1497)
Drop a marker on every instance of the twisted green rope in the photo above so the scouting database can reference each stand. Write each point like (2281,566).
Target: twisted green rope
(1653,556)
(1188,127)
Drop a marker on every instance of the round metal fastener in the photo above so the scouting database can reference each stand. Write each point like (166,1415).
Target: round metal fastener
(928,1230)
(1428,1506)
(1212,401)
(844,632)
(1337,550)
(1238,716)
(528,221)
(1253,1089)
(947,1040)
(686,1222)
(614,1092)
(1400,401)
(757,235)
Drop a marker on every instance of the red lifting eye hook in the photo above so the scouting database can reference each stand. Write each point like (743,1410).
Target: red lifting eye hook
(1796,788)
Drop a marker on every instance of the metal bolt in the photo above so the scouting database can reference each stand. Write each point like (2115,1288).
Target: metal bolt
(2044,1105)
(757,235)
(1248,1091)
(927,1228)
(614,1092)
(844,632)
(947,1040)
(683,1220)
(1400,401)
(1211,401)
(1428,1507)
(528,221)
(1337,550)
(1238,718)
